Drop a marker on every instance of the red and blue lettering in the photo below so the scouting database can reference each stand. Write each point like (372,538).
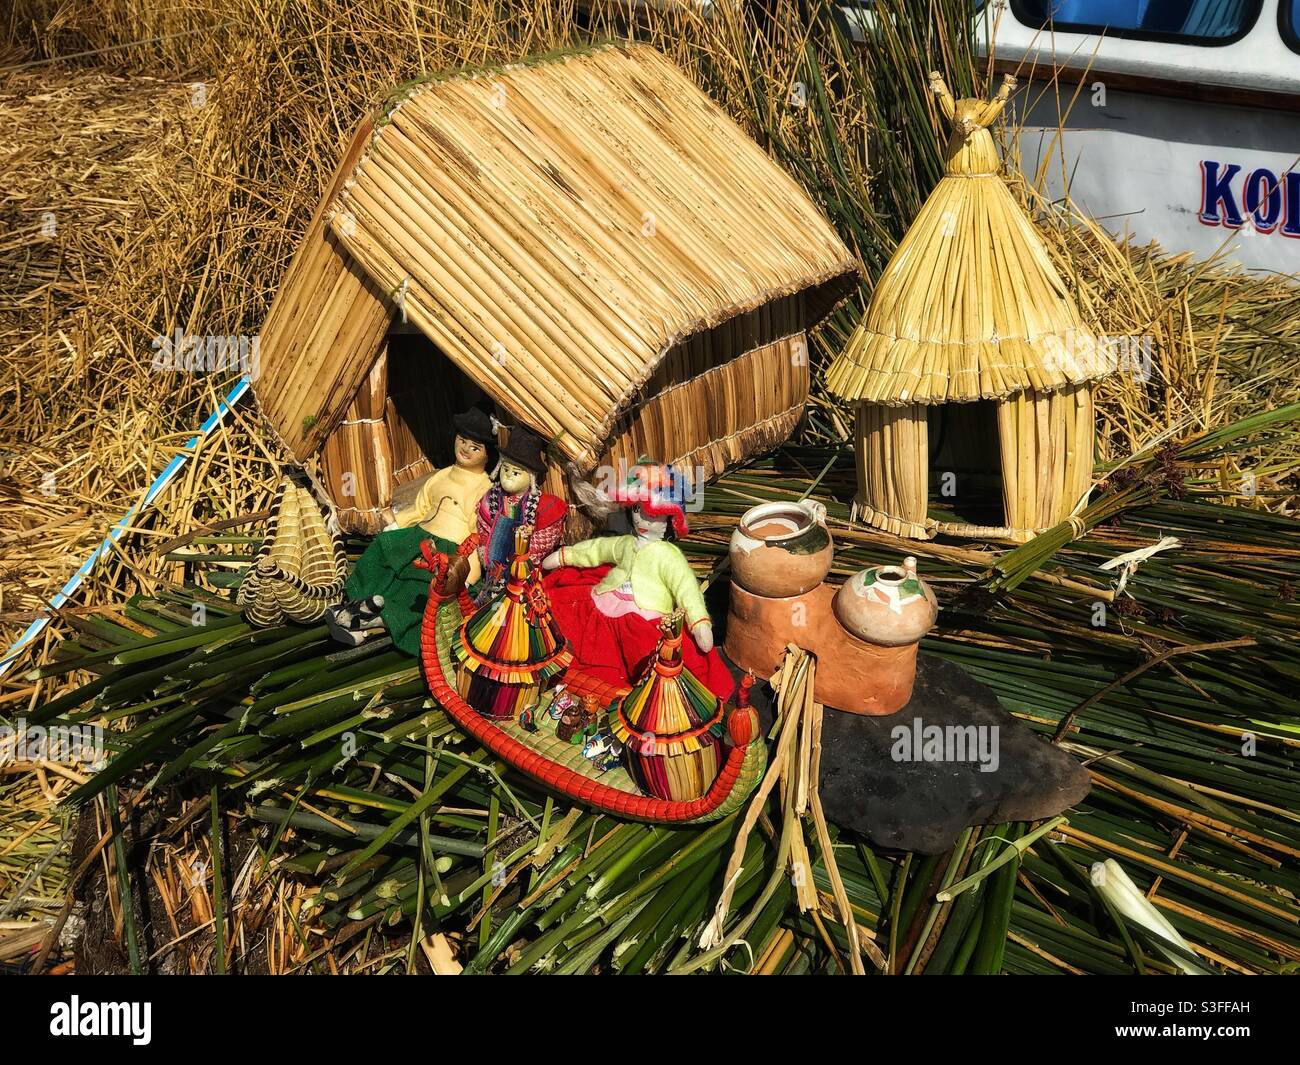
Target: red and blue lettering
(1263,198)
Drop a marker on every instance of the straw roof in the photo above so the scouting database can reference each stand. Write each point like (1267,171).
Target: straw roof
(970,306)
(555,227)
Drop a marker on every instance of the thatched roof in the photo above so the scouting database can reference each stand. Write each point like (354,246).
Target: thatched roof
(555,227)
(970,306)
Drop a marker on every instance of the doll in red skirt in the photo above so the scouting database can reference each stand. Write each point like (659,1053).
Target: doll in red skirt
(609,594)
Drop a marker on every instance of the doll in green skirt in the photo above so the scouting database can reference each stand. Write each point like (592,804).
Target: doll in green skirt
(385,583)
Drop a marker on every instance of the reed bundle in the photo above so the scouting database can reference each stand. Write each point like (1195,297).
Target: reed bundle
(795,767)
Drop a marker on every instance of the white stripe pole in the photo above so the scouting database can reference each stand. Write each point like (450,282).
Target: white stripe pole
(119,530)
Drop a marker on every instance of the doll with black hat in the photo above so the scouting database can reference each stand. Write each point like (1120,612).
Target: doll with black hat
(515,501)
(446,503)
(444,511)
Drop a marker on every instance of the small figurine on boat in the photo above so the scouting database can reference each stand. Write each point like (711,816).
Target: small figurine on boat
(446,501)
(670,724)
(511,647)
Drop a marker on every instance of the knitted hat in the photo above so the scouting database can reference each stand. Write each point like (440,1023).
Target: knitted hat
(659,490)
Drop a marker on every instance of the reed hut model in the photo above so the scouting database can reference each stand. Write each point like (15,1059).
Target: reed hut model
(585,238)
(972,357)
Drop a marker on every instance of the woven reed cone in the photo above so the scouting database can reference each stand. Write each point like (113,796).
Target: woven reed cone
(970,306)
(258,594)
(322,567)
(511,646)
(670,724)
(286,542)
(300,569)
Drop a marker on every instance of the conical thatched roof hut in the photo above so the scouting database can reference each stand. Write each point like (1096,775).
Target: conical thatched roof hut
(971,311)
(587,239)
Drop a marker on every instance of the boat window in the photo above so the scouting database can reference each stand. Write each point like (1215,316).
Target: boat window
(1205,22)
(1288,22)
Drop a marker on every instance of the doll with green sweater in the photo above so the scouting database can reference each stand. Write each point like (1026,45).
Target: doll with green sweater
(609,594)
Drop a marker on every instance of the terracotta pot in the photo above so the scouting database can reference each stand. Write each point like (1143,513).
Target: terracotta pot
(781,549)
(852,675)
(887,605)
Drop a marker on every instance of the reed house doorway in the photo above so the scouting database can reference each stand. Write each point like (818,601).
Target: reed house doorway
(397,429)
(965,463)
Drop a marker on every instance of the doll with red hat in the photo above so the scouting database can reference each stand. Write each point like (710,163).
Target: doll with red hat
(609,594)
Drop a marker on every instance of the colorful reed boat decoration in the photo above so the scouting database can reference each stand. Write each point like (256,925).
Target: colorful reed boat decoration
(670,724)
(511,646)
(576,761)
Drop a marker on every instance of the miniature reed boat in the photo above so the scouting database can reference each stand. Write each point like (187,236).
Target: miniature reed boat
(574,759)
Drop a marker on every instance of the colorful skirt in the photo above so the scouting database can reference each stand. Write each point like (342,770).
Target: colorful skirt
(387,567)
(617,649)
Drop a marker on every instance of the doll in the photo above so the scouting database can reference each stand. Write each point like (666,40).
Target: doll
(610,593)
(515,501)
(443,510)
(447,502)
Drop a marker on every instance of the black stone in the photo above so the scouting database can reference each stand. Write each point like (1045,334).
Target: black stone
(923,806)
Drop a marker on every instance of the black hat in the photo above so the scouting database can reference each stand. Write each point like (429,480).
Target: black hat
(475,424)
(526,448)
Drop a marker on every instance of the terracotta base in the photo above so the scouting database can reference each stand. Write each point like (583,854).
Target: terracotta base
(853,676)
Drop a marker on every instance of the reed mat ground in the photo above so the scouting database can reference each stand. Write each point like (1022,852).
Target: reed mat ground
(179,173)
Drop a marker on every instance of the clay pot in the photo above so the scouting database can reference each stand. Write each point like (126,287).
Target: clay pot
(887,605)
(856,677)
(781,549)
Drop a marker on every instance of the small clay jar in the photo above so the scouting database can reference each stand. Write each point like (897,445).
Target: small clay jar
(576,718)
(886,605)
(781,549)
